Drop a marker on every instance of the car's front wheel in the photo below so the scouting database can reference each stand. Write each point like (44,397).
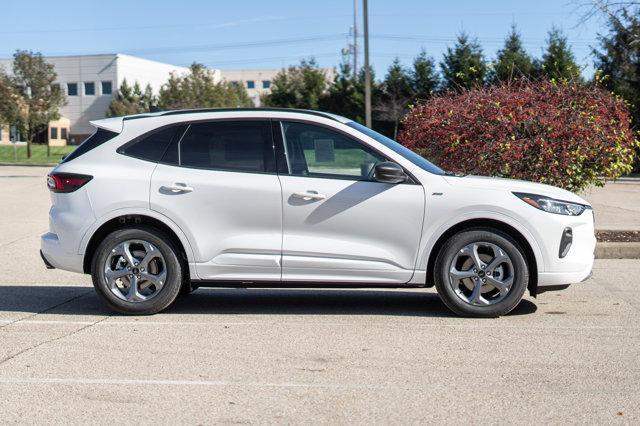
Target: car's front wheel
(481,273)
(137,271)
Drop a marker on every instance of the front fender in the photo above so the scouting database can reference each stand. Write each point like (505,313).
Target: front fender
(436,230)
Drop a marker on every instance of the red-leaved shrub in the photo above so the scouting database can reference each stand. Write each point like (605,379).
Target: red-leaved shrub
(561,134)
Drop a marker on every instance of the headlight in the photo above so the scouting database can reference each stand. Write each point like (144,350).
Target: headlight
(552,205)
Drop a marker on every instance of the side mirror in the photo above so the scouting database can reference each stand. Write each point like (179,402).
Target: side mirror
(389,172)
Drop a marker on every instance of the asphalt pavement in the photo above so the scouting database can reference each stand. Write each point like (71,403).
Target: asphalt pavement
(304,356)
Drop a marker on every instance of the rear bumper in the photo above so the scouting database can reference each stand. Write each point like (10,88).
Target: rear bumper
(47,264)
(54,255)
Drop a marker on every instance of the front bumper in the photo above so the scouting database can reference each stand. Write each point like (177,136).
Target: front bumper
(577,265)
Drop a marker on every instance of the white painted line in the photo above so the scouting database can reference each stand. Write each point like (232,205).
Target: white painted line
(469,325)
(219,383)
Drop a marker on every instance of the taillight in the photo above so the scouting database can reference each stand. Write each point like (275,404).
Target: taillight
(66,182)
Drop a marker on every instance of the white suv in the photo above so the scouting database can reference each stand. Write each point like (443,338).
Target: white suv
(158,204)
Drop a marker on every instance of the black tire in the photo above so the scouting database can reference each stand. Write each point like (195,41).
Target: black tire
(174,271)
(451,249)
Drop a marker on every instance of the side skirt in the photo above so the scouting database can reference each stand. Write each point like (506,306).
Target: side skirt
(295,284)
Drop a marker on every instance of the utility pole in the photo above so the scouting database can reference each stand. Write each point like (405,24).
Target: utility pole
(367,73)
(355,40)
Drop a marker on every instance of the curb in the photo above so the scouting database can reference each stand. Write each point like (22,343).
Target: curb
(611,250)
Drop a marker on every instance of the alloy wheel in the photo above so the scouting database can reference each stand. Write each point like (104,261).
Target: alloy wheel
(135,270)
(481,274)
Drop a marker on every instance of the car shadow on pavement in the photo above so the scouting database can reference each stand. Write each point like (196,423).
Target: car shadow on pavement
(74,300)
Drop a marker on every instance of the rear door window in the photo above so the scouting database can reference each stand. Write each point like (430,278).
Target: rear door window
(242,146)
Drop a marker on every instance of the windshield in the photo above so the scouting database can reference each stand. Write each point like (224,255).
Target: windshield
(398,149)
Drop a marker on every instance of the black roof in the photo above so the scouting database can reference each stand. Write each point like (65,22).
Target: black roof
(204,110)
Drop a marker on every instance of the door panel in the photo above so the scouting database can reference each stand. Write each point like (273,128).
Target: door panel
(338,224)
(361,231)
(233,216)
(233,220)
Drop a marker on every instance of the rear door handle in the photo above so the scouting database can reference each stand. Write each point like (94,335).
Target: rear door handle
(309,195)
(177,188)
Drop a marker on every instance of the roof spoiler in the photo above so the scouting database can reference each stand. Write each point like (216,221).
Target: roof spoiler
(114,124)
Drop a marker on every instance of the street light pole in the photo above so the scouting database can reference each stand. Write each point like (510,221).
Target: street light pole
(367,72)
(355,40)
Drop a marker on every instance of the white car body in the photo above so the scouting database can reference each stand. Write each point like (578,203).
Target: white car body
(248,227)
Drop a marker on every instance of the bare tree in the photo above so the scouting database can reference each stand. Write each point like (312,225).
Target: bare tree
(611,9)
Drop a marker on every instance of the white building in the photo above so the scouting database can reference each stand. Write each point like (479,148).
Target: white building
(90,81)
(257,82)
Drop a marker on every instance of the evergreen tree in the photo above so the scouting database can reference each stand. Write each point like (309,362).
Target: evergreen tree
(463,66)
(130,100)
(558,61)
(618,59)
(344,96)
(513,61)
(298,87)
(198,89)
(424,77)
(395,93)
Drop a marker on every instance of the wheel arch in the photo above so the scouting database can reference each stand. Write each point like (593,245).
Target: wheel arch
(518,236)
(130,219)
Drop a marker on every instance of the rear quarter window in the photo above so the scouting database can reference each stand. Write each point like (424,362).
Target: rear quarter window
(151,146)
(98,138)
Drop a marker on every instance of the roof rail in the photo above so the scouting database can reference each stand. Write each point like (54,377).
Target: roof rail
(205,110)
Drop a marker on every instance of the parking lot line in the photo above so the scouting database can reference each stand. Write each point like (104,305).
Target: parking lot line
(468,325)
(204,383)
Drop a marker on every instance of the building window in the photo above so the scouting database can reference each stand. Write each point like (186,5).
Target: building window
(89,88)
(72,89)
(266,84)
(107,88)
(54,133)
(63,133)
(251,84)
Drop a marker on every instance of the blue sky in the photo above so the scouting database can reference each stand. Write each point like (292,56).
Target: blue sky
(276,33)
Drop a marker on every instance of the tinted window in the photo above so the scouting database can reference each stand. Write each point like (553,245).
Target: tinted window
(151,146)
(72,89)
(416,159)
(228,145)
(89,88)
(98,138)
(318,151)
(106,88)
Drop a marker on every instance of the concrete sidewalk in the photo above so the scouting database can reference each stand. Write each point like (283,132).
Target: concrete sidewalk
(616,205)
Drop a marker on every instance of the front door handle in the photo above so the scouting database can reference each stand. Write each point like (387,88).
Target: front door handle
(177,188)
(309,195)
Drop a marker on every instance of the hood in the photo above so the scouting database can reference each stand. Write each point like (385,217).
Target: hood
(514,185)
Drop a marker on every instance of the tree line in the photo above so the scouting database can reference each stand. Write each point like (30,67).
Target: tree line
(31,98)
(462,67)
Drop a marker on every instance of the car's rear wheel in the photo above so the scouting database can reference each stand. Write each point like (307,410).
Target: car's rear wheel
(481,273)
(137,271)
